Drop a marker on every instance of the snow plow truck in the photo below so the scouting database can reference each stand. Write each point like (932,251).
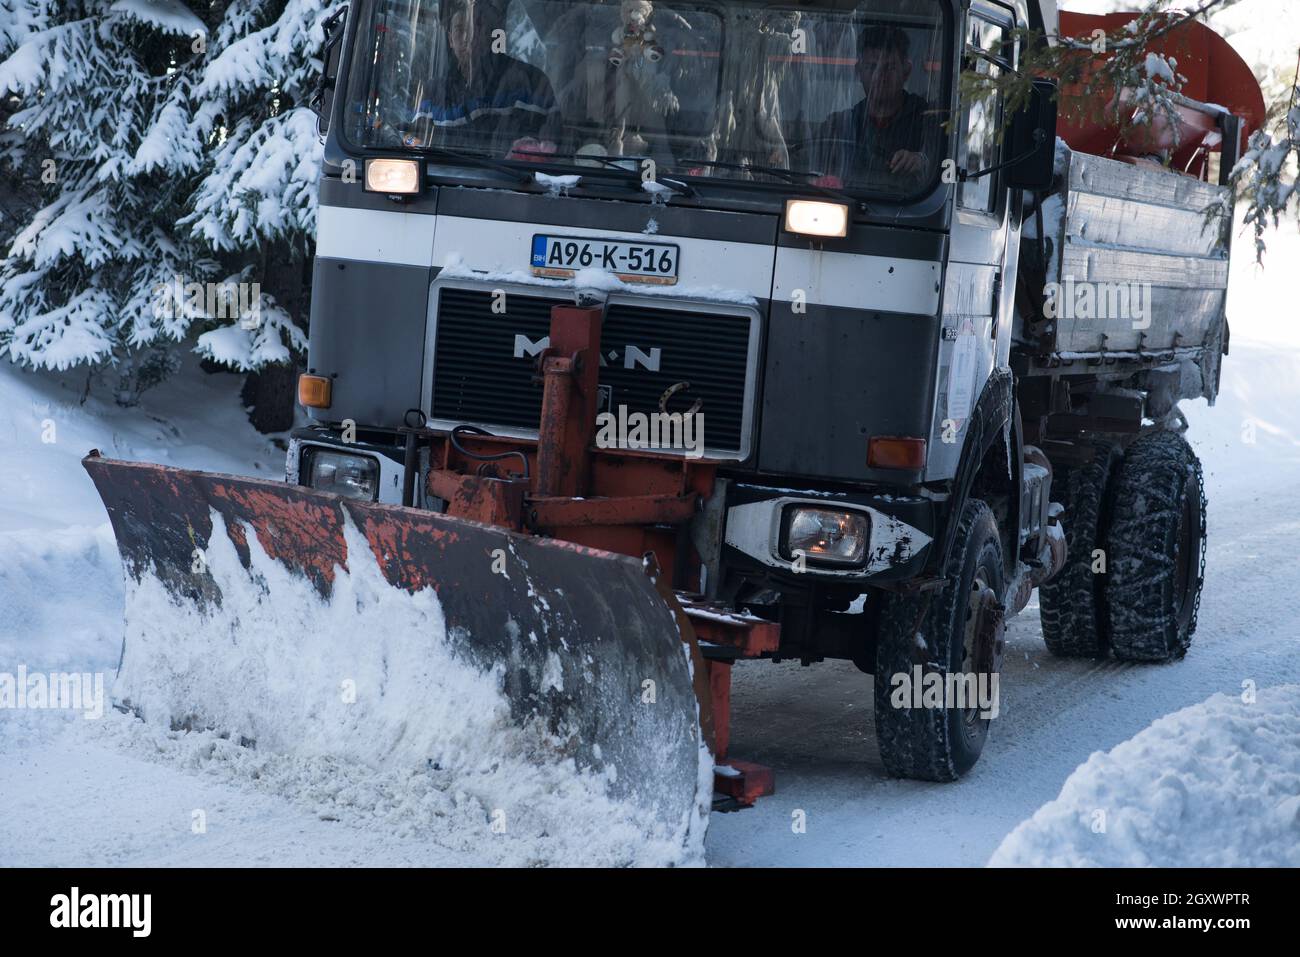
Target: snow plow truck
(649,337)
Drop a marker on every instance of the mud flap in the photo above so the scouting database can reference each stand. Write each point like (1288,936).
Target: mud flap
(256,608)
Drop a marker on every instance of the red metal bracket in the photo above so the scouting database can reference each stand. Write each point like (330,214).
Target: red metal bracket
(490,500)
(749,635)
(570,368)
(743,781)
(725,637)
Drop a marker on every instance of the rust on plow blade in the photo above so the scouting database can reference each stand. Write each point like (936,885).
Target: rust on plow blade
(581,648)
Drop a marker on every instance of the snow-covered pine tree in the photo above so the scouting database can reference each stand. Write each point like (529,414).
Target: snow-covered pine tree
(257,197)
(256,201)
(18,20)
(1265,176)
(76,284)
(160,148)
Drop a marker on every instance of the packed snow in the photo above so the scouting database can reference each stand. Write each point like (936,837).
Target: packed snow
(370,680)
(1213,785)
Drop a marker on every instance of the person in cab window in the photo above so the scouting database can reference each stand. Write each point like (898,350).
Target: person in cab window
(891,133)
(483,99)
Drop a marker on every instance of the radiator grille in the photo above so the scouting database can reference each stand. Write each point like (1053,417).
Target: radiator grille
(483,373)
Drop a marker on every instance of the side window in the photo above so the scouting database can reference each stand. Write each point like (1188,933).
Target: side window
(981,118)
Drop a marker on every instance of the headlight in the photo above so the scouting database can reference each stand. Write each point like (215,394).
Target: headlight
(828,535)
(393,176)
(354,476)
(816,218)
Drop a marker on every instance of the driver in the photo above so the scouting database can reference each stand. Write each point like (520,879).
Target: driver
(893,129)
(483,98)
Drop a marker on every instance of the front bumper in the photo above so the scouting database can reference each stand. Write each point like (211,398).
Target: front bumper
(901,532)
(738,531)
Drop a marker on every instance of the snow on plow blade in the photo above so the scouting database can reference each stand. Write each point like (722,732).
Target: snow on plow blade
(304,623)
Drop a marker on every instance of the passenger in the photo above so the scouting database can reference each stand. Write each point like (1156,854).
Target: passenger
(895,131)
(484,99)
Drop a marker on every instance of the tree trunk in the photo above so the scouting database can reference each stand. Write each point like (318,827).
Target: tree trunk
(271,391)
(269,396)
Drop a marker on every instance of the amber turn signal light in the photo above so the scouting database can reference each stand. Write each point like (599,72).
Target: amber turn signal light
(896,452)
(313,391)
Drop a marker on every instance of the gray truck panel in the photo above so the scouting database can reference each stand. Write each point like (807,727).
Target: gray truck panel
(367,330)
(833,378)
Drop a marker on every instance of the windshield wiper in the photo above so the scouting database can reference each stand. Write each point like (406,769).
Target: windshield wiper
(520,176)
(525,176)
(794,177)
(616,164)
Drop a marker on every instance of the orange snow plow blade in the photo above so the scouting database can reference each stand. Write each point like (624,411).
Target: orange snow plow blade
(305,623)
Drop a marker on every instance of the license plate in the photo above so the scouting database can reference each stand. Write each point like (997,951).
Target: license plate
(560,257)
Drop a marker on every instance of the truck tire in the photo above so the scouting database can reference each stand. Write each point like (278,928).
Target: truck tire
(1155,549)
(940,632)
(1070,604)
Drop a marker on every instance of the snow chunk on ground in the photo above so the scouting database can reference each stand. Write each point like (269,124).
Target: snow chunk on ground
(1214,785)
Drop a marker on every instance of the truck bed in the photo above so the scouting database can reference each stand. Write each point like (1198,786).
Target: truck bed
(1120,230)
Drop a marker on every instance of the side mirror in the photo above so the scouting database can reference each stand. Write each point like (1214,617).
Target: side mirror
(1031,140)
(322,101)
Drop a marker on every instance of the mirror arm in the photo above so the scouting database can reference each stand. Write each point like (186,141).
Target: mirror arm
(1040,136)
(333,37)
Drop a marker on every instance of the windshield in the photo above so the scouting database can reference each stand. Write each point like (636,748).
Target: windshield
(847,95)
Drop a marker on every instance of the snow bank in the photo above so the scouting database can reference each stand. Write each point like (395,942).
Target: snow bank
(363,700)
(191,421)
(1214,785)
(53,584)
